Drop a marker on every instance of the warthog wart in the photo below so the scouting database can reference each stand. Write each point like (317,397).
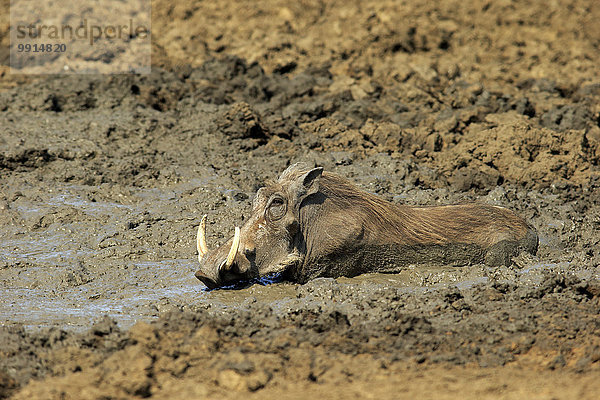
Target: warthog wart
(311,223)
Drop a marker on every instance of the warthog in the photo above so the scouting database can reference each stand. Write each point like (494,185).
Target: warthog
(311,223)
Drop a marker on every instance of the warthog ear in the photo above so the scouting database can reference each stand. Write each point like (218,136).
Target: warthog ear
(306,185)
(310,181)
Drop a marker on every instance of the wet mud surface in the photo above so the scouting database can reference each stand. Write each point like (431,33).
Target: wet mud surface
(103,180)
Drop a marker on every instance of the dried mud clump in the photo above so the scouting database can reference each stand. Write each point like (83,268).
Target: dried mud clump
(257,348)
(240,121)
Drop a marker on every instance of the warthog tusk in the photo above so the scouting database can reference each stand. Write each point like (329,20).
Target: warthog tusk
(201,239)
(233,251)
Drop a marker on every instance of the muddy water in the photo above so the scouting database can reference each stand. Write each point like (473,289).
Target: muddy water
(55,282)
(54,288)
(137,297)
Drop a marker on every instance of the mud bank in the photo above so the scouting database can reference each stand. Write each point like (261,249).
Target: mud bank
(103,180)
(323,333)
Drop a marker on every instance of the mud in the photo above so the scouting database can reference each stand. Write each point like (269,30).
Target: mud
(103,180)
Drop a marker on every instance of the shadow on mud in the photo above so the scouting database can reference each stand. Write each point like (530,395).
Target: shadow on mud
(245,284)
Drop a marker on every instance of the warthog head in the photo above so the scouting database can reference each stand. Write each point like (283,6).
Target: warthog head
(270,241)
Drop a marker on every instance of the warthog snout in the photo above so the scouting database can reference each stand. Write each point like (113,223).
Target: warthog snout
(311,223)
(226,266)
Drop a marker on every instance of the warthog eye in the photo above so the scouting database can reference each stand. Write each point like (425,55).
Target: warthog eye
(276,209)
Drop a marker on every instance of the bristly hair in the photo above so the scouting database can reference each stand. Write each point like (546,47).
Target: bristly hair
(413,225)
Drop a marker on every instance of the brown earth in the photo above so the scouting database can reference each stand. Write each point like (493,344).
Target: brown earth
(103,180)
